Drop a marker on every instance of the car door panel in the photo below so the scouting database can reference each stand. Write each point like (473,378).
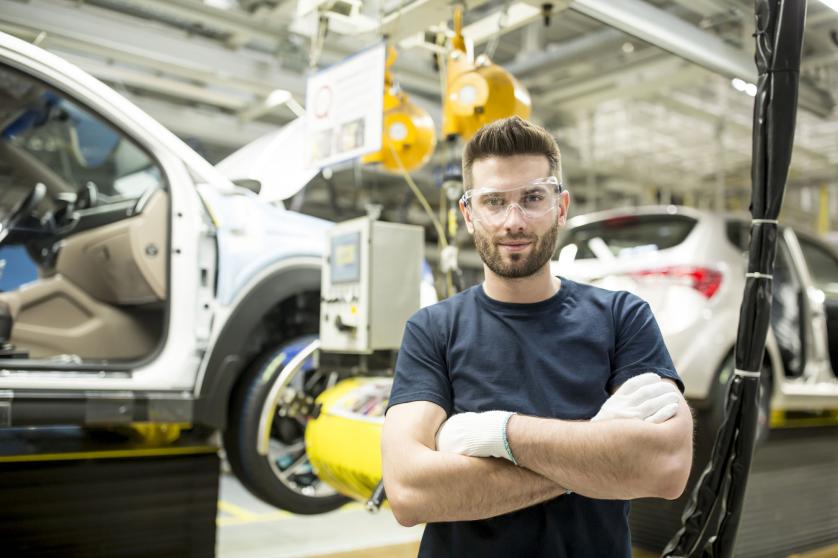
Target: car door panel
(123,263)
(54,318)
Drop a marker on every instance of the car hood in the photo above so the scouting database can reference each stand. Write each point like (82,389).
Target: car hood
(278,161)
(254,235)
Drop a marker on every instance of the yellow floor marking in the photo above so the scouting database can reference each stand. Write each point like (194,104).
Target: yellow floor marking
(804,423)
(826,418)
(107,454)
(240,515)
(254,518)
(826,552)
(409,550)
(236,511)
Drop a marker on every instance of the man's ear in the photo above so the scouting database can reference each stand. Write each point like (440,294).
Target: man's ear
(564,204)
(466,217)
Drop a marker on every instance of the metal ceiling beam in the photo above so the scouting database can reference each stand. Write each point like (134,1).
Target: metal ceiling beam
(672,34)
(683,39)
(417,16)
(705,7)
(512,15)
(637,87)
(820,60)
(242,26)
(556,54)
(126,39)
(821,15)
(130,40)
(212,127)
(139,79)
(651,65)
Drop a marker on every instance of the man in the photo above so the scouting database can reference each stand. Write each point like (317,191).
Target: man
(548,480)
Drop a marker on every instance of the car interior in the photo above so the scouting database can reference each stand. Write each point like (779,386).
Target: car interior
(91,209)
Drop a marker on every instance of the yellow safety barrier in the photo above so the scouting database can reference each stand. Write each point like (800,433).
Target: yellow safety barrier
(344,441)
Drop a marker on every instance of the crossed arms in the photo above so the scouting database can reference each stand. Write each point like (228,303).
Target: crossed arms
(609,459)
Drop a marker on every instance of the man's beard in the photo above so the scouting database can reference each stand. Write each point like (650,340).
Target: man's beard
(520,265)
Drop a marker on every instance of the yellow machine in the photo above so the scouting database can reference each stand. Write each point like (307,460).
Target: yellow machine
(344,441)
(408,137)
(478,93)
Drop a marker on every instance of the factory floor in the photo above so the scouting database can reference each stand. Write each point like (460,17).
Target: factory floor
(248,528)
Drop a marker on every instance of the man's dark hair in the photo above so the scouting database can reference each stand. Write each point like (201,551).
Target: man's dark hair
(507,137)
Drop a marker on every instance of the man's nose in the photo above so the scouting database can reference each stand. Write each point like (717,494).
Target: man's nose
(514,219)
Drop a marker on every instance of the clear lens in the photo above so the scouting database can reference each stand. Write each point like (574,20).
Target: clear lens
(534,199)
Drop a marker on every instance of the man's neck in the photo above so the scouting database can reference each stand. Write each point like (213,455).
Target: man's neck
(535,288)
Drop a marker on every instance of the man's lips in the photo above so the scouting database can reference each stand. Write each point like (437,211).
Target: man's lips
(515,246)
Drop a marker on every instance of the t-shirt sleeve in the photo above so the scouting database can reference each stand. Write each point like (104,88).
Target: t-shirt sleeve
(421,368)
(639,345)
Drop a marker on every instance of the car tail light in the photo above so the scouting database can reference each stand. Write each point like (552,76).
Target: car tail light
(704,280)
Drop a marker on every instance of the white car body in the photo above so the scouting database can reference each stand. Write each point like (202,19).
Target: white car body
(216,227)
(700,331)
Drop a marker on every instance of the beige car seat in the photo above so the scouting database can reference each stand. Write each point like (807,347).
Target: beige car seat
(96,304)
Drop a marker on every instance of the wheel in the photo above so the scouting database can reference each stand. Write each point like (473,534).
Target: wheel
(264,440)
(667,514)
(711,419)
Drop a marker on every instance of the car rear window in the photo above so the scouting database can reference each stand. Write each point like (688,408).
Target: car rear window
(739,234)
(629,234)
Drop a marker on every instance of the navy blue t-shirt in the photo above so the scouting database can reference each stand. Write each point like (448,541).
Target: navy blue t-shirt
(558,358)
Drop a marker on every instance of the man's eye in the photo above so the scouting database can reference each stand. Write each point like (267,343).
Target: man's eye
(493,202)
(533,198)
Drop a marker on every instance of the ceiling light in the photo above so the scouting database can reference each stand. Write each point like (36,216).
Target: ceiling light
(744,86)
(221,4)
(831,4)
(277,97)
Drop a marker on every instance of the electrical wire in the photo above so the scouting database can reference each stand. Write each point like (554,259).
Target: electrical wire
(442,240)
(317,42)
(495,40)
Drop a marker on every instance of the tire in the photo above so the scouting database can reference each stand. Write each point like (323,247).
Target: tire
(283,478)
(667,514)
(711,419)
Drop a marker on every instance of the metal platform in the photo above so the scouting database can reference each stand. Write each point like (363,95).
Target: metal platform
(68,492)
(791,503)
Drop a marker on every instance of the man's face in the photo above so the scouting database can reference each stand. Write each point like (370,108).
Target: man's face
(518,246)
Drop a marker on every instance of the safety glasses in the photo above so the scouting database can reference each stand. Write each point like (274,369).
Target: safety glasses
(534,199)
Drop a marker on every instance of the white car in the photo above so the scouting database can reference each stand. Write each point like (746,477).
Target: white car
(142,285)
(690,266)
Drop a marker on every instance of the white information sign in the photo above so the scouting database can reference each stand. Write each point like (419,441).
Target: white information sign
(345,105)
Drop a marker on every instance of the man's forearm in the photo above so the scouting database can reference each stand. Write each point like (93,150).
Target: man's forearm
(614,459)
(433,486)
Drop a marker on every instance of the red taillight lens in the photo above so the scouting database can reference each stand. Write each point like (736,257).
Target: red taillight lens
(704,280)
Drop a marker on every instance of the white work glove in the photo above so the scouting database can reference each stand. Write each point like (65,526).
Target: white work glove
(646,397)
(476,434)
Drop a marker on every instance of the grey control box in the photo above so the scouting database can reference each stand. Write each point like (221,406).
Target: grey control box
(370,285)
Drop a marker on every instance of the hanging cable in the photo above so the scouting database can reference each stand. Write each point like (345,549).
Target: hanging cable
(503,18)
(317,42)
(442,240)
